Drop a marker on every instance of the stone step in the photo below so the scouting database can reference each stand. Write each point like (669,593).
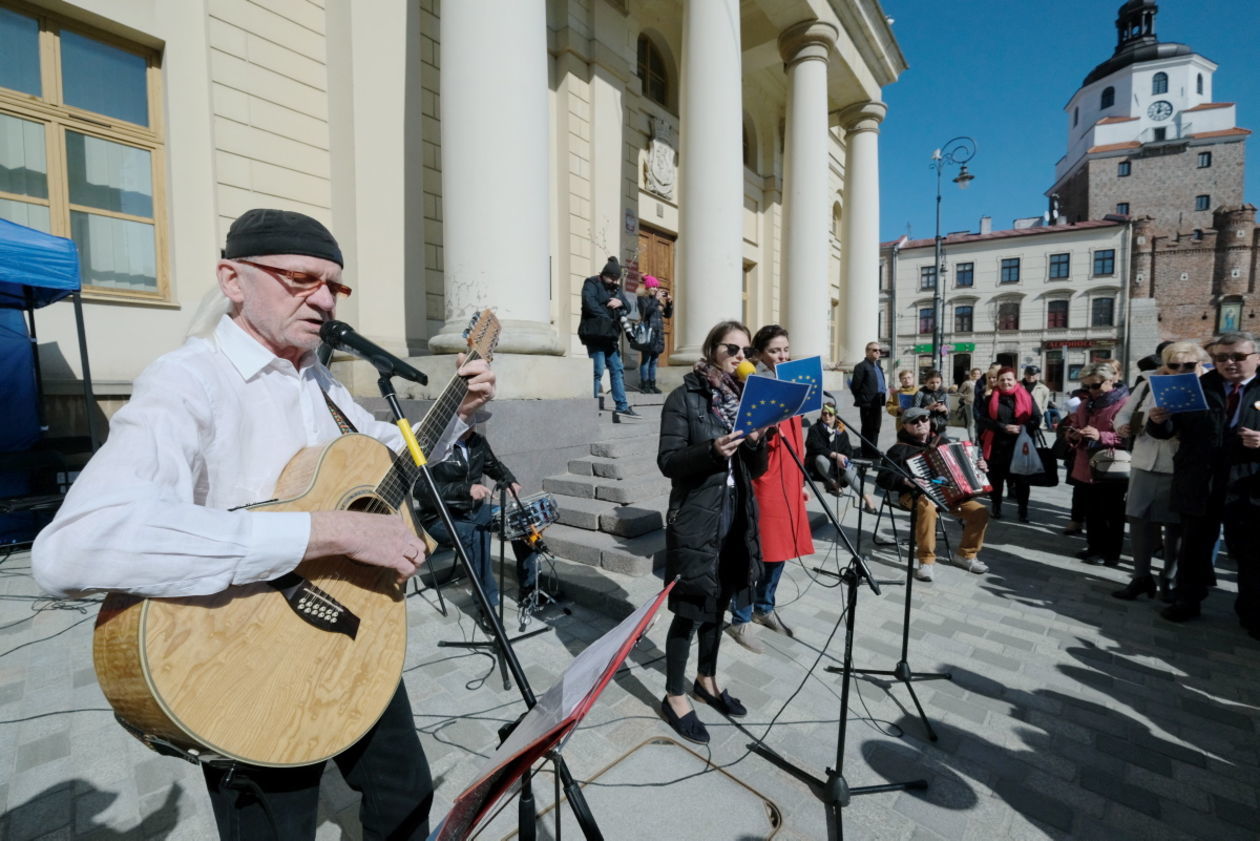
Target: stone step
(582,513)
(614,468)
(628,556)
(635,519)
(613,490)
(569,484)
(643,446)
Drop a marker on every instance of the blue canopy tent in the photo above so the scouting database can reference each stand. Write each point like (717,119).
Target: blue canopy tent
(36,269)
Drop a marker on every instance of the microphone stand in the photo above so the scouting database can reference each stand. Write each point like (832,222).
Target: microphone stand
(835,791)
(573,792)
(902,671)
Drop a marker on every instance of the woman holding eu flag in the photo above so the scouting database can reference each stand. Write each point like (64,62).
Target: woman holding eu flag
(783,525)
(711,540)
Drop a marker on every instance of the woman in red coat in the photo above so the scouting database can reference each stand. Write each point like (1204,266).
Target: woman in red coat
(782,522)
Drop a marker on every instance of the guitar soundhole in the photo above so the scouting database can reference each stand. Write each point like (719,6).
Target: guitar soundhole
(370,504)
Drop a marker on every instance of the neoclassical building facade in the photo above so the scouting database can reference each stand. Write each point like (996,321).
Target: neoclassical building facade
(470,154)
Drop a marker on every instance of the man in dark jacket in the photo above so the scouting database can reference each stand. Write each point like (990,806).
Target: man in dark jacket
(1216,479)
(459,482)
(600,330)
(869,391)
(914,439)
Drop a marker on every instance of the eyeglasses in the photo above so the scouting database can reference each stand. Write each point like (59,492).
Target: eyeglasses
(919,420)
(1222,358)
(1181,366)
(731,349)
(1092,386)
(828,413)
(301,284)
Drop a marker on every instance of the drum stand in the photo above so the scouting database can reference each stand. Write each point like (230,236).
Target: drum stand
(527,828)
(539,597)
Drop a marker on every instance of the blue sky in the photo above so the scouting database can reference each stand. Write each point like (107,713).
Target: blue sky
(1001,71)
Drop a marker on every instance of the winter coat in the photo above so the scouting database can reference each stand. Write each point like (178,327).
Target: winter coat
(697,493)
(783,525)
(1039,392)
(653,314)
(595,312)
(455,477)
(1100,413)
(1003,447)
(1154,455)
(820,441)
(1211,459)
(906,448)
(894,399)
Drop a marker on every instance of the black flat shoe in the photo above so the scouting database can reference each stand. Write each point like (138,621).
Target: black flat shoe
(723,703)
(1180,611)
(689,726)
(1143,586)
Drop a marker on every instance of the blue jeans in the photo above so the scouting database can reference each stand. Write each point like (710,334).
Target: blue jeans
(474,532)
(763,595)
(647,367)
(611,358)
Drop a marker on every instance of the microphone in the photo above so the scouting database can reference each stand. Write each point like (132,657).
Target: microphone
(341,336)
(744,370)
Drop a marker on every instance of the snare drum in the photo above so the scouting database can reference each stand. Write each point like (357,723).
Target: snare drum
(535,513)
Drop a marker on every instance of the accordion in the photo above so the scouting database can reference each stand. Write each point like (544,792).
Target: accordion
(951,472)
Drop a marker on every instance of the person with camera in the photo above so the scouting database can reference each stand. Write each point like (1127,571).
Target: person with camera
(654,307)
(600,330)
(1216,479)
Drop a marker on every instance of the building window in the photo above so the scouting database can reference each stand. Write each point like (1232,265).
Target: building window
(1060,265)
(927,277)
(1160,134)
(1105,261)
(1124,168)
(1108,98)
(1205,160)
(1076,116)
(1057,315)
(1202,202)
(652,72)
(1008,316)
(80,155)
(965,274)
(1198,234)
(1198,84)
(1159,83)
(1122,207)
(1010,270)
(963,319)
(1102,312)
(927,320)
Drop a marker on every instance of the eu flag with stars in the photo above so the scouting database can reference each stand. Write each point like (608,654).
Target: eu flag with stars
(1178,392)
(808,371)
(767,401)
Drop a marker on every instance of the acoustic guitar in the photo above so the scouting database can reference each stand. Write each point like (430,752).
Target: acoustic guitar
(285,672)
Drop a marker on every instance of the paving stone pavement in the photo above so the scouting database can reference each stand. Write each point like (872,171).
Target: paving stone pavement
(1070,714)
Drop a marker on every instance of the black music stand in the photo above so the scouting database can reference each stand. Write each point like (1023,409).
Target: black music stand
(527,829)
(834,791)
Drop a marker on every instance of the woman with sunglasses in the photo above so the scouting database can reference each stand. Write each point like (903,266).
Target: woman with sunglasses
(1092,428)
(711,539)
(1149,505)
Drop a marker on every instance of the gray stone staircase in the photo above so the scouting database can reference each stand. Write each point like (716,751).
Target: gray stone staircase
(612,502)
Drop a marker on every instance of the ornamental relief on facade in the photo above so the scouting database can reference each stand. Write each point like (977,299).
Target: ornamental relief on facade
(660,170)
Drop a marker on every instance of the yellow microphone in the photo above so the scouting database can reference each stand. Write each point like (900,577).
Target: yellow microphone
(745,370)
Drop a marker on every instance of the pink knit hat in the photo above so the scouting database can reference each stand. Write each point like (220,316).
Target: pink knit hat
(650,282)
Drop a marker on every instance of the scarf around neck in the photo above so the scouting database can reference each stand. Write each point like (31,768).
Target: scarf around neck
(724,391)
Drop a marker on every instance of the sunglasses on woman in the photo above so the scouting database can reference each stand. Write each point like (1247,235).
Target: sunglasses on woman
(1092,386)
(1181,366)
(731,349)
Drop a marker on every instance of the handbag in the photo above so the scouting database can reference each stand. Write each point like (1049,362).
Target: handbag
(642,337)
(1024,459)
(1110,465)
(1049,475)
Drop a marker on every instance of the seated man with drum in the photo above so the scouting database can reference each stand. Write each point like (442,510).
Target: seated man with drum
(914,438)
(471,504)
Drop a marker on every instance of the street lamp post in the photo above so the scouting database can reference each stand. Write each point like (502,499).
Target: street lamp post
(957,150)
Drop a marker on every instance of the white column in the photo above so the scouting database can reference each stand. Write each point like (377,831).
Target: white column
(495,200)
(711,169)
(859,282)
(805,49)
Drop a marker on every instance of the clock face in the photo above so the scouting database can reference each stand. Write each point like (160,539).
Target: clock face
(1160,110)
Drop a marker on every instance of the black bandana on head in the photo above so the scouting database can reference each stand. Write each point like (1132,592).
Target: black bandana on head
(263,231)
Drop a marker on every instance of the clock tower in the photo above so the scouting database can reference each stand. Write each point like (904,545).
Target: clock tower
(1145,137)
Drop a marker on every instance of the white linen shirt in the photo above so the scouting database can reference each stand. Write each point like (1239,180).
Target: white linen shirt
(209,427)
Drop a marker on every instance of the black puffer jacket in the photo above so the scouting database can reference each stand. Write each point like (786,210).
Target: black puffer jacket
(692,542)
(1209,454)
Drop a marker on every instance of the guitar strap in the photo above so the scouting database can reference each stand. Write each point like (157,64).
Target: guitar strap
(343,422)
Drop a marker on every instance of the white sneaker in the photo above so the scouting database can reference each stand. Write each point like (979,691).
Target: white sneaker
(973,565)
(924,572)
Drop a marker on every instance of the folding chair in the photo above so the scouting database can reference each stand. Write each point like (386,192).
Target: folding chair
(888,504)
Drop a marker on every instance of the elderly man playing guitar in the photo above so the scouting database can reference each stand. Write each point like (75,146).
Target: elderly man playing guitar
(173,513)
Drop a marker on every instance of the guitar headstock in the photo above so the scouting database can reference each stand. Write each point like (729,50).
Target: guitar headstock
(482,334)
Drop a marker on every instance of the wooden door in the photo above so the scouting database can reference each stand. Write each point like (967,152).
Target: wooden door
(656,257)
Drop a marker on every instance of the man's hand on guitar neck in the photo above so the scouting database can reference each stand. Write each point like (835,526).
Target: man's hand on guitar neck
(480,381)
(367,538)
